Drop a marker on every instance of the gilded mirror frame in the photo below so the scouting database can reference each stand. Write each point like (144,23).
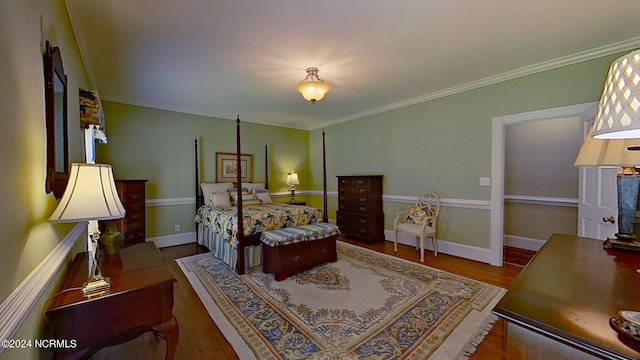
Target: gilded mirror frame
(56,122)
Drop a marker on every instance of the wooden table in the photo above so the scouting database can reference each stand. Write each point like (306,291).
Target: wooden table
(559,306)
(140,299)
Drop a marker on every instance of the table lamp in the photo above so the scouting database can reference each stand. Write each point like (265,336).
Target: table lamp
(292,181)
(616,153)
(90,195)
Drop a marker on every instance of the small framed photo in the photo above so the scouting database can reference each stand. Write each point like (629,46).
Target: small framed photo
(226,167)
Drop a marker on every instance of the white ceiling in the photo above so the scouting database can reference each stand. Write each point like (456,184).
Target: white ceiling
(226,58)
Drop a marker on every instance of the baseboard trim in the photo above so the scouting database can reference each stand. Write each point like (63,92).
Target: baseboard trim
(18,304)
(521,242)
(173,240)
(446,247)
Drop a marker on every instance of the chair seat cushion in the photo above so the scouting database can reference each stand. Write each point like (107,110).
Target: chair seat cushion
(414,229)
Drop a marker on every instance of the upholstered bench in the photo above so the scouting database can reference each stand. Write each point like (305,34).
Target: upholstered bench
(289,250)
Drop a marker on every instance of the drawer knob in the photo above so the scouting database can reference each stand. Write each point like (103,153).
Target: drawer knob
(363,221)
(363,230)
(363,199)
(362,208)
(296,258)
(360,181)
(341,206)
(363,190)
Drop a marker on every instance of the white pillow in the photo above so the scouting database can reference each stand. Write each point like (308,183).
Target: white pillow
(213,188)
(246,198)
(264,197)
(251,186)
(221,199)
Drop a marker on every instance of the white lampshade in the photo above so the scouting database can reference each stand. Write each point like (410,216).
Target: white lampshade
(619,108)
(292,179)
(614,153)
(312,87)
(90,195)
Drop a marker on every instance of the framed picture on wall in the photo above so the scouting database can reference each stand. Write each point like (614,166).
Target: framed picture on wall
(226,165)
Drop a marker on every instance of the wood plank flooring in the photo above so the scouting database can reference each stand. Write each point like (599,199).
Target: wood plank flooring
(200,338)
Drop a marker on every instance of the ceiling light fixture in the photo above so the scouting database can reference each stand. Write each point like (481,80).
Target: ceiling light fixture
(312,87)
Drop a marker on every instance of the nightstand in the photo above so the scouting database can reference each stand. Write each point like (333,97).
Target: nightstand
(140,299)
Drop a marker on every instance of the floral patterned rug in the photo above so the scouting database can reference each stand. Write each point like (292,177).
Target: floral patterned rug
(366,305)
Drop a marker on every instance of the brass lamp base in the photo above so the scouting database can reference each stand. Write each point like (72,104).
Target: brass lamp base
(97,285)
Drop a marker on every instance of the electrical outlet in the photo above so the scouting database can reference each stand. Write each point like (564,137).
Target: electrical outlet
(485,181)
(177,227)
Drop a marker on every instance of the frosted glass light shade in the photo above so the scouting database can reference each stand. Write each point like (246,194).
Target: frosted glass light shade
(619,108)
(312,87)
(90,195)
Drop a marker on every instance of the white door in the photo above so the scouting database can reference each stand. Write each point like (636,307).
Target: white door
(597,200)
(598,203)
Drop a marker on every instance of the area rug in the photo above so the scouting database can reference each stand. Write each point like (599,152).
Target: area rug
(366,305)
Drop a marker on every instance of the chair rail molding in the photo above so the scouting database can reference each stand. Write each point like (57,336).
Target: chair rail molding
(18,304)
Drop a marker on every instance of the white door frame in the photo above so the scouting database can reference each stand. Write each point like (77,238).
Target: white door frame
(498,128)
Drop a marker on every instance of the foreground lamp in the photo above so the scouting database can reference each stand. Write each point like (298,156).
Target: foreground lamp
(312,87)
(90,195)
(619,108)
(292,181)
(616,153)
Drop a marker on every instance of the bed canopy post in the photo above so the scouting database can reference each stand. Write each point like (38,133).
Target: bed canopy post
(197,175)
(266,168)
(240,234)
(325,216)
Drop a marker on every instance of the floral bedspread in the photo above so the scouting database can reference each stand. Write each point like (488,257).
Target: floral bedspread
(256,219)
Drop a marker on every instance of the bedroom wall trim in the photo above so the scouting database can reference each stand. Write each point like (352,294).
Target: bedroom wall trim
(191,200)
(542,200)
(402,199)
(522,242)
(19,303)
(174,239)
(510,75)
(446,247)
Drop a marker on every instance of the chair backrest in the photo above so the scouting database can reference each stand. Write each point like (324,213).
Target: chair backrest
(430,202)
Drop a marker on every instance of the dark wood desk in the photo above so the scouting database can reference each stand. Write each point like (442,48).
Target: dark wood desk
(559,306)
(140,299)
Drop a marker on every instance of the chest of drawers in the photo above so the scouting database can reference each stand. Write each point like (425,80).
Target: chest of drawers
(132,226)
(360,211)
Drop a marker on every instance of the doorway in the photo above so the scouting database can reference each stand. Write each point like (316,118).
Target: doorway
(499,127)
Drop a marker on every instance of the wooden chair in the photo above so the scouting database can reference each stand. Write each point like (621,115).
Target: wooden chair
(420,221)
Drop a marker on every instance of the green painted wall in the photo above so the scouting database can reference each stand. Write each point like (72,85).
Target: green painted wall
(444,145)
(158,145)
(26,236)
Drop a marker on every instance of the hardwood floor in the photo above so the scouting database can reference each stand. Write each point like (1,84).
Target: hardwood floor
(200,338)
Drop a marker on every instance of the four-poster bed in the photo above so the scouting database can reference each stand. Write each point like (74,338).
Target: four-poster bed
(237,243)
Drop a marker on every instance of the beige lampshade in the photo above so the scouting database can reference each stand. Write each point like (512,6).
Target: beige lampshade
(619,108)
(597,152)
(90,195)
(292,179)
(312,87)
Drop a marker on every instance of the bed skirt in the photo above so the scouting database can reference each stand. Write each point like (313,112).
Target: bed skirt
(224,251)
